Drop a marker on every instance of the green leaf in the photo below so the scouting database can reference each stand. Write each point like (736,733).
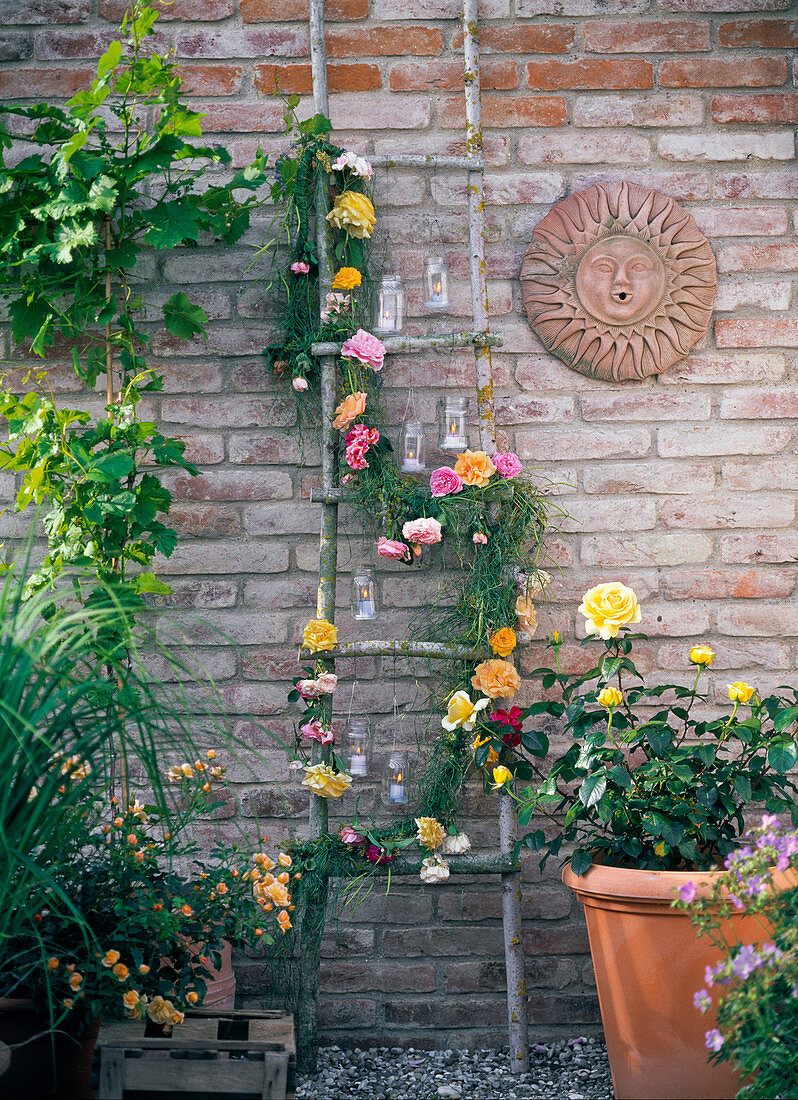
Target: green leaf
(660,738)
(593,789)
(148,582)
(783,756)
(183,318)
(172,223)
(620,777)
(742,787)
(110,59)
(315,126)
(784,718)
(110,466)
(581,861)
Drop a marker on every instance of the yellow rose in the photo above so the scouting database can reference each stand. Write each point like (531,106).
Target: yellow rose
(111,958)
(610,697)
(319,635)
(323,781)
(354,213)
(192,997)
(503,641)
(430,832)
(346,278)
(501,775)
(462,713)
(159,1010)
(608,607)
(497,679)
(493,756)
(130,999)
(474,467)
(702,655)
(527,615)
(740,692)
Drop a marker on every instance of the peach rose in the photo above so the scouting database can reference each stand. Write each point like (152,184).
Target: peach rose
(475,468)
(527,615)
(496,679)
(352,406)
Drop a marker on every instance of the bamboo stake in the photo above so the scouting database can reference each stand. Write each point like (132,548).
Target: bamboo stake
(513,944)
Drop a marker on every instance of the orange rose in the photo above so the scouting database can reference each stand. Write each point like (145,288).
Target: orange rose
(503,641)
(474,467)
(352,406)
(496,678)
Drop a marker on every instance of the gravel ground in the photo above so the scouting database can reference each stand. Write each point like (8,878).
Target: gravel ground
(572,1069)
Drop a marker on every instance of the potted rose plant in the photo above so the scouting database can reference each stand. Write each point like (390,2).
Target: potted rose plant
(648,790)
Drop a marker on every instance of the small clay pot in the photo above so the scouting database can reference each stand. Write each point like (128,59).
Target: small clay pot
(649,962)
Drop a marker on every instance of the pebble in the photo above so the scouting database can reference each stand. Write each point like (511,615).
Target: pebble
(576,1069)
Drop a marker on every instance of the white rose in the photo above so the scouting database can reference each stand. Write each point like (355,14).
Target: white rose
(456,845)
(434,869)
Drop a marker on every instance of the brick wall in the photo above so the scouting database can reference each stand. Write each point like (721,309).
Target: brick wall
(683,486)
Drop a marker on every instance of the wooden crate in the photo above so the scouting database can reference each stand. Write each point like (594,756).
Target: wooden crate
(210,1055)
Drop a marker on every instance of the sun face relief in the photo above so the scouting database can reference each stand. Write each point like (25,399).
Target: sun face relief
(620,280)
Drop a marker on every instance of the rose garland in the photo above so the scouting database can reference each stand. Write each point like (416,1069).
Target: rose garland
(485,508)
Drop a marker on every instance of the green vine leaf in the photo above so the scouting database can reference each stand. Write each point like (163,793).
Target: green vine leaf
(183,318)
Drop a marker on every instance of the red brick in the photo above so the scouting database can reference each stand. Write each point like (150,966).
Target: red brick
(225,412)
(721,440)
(584,147)
(643,406)
(211,79)
(722,584)
(766,256)
(229,42)
(14,46)
(231,485)
(241,117)
(551,1011)
(584,443)
(727,146)
(745,72)
(384,977)
(519,408)
(725,367)
(281,11)
(409,112)
(383,41)
(679,185)
(437,9)
(467,1012)
(207,521)
(410,76)
(587,74)
(195,10)
(780,473)
(297,79)
(649,477)
(204,449)
(521,39)
(667,36)
(591,515)
(61,45)
(43,83)
(500,111)
(759,620)
(745,549)
(650,550)
(45,11)
(757,185)
(781,404)
(777,34)
(202,556)
(346,1012)
(657,110)
(755,108)
(757,332)
(741,221)
(724,5)
(739,511)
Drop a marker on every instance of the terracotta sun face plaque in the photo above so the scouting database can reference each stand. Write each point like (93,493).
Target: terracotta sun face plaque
(618,281)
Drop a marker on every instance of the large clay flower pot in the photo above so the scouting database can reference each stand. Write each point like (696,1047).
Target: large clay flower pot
(648,963)
(43,1065)
(221,988)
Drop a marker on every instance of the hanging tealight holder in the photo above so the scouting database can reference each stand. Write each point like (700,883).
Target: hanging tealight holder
(453,423)
(396,780)
(390,313)
(357,740)
(412,442)
(436,283)
(365,594)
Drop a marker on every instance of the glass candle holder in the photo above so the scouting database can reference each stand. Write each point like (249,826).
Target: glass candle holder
(365,595)
(396,780)
(390,314)
(453,423)
(357,747)
(436,283)
(412,446)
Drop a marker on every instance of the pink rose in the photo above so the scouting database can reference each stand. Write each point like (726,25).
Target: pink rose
(392,548)
(508,465)
(352,836)
(324,684)
(422,531)
(358,441)
(300,384)
(300,268)
(316,732)
(365,347)
(479,538)
(444,481)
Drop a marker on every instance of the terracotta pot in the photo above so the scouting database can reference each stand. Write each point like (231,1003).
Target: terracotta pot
(221,989)
(43,1065)
(648,963)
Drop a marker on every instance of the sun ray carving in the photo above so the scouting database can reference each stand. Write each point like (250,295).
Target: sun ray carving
(619,282)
